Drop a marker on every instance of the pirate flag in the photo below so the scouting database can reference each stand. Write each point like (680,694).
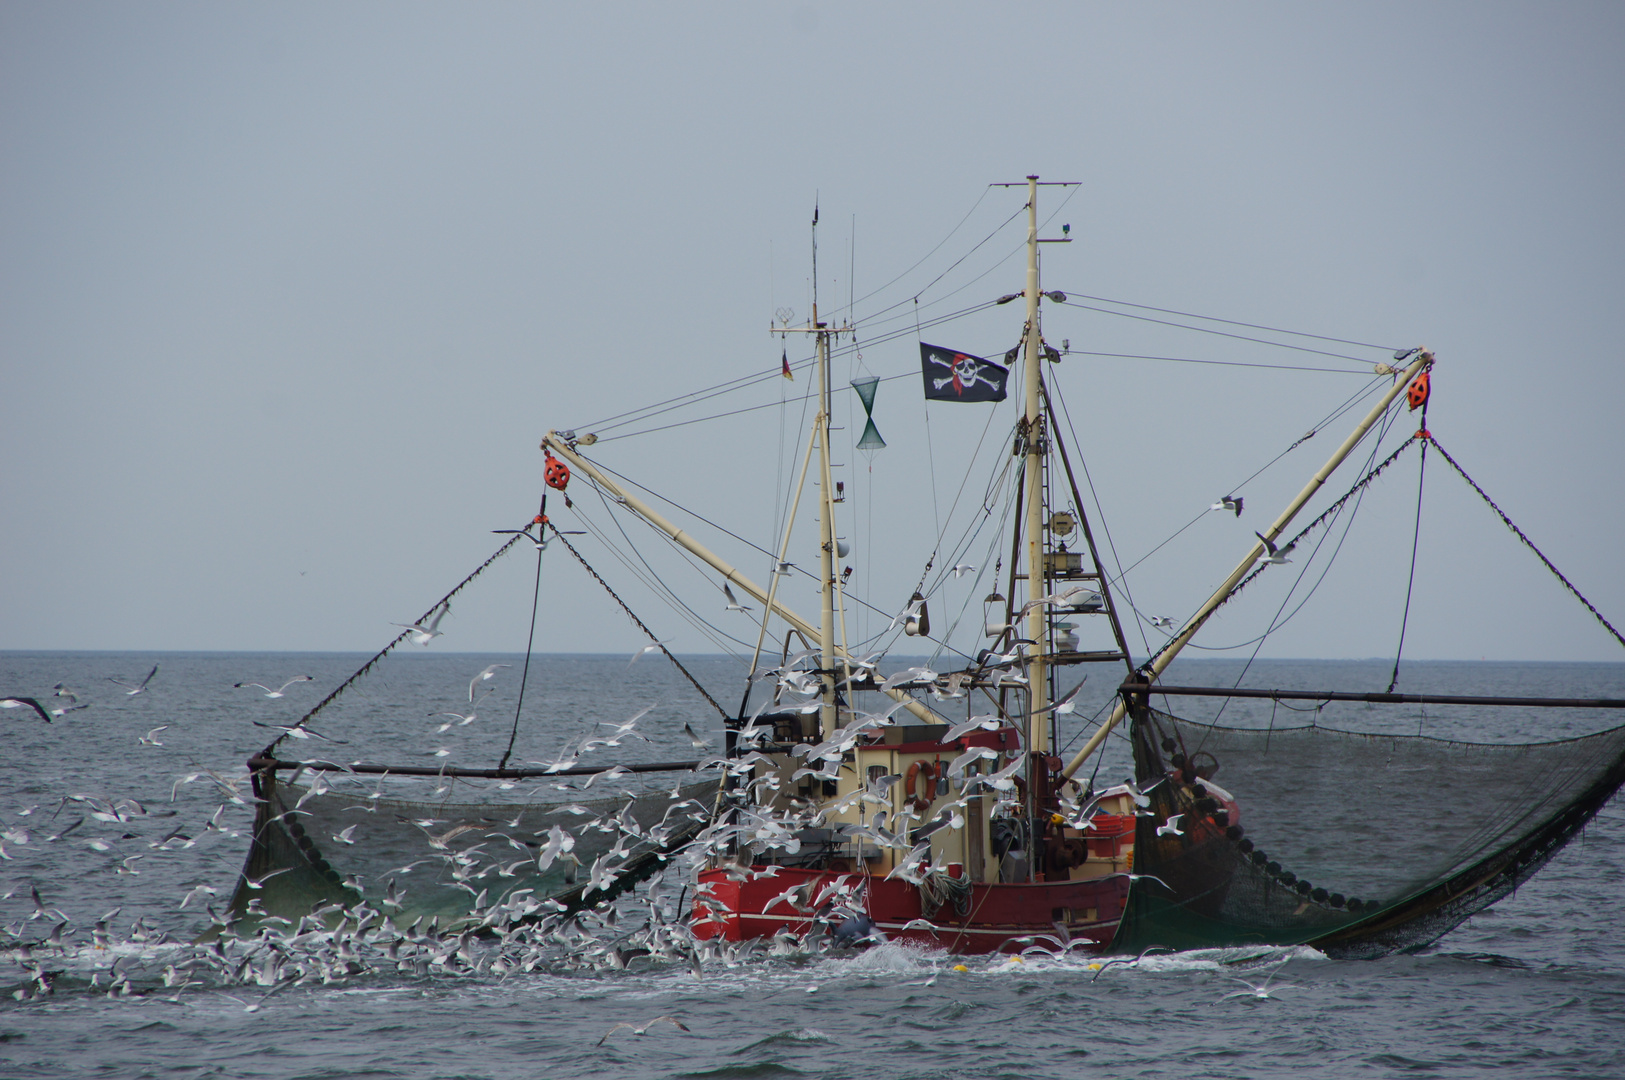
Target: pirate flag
(957,376)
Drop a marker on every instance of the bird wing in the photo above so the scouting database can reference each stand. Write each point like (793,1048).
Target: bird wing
(17,702)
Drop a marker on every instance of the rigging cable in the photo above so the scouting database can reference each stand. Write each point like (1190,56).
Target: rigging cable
(1416,537)
(1234,322)
(1217,333)
(400,637)
(629,614)
(530,643)
(1527,542)
(1276,621)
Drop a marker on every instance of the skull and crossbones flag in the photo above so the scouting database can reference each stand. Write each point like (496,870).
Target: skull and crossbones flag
(957,376)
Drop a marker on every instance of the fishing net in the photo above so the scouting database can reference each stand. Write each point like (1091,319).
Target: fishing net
(1359,844)
(456,862)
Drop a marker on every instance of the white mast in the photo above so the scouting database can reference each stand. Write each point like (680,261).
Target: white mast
(1033,425)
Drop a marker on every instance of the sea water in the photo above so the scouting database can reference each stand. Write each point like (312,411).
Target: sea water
(1534,985)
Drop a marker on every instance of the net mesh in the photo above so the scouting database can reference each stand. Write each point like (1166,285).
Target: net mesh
(455,862)
(1360,844)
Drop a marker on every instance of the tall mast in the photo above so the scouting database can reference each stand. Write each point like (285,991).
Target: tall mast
(1032,425)
(826,516)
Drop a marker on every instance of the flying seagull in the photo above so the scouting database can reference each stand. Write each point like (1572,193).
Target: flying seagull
(1276,555)
(297,731)
(1229,502)
(278,692)
(28,702)
(1162,622)
(646,649)
(644,1029)
(422,634)
(131,688)
(481,677)
(733,604)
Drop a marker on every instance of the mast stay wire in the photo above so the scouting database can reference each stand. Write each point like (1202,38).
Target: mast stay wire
(1209,330)
(1276,621)
(726,531)
(649,412)
(1232,322)
(1335,413)
(1214,363)
(1100,515)
(638,415)
(652,582)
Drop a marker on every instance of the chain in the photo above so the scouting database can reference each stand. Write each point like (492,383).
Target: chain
(639,622)
(1527,542)
(387,649)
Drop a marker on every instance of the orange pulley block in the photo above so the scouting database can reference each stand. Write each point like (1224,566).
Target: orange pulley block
(1417,392)
(557,473)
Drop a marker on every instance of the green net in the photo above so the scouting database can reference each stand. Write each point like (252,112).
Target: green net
(460,863)
(1360,844)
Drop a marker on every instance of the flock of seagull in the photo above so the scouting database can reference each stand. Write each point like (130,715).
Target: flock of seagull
(517,932)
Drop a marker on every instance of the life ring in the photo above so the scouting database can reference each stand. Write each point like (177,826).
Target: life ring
(921,802)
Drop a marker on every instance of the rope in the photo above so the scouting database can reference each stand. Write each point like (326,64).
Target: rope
(1359,486)
(1527,542)
(530,647)
(938,889)
(269,751)
(639,623)
(1410,582)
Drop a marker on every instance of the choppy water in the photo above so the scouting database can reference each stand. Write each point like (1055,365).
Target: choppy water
(1536,985)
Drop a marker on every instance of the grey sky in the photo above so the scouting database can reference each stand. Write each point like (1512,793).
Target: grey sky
(289,293)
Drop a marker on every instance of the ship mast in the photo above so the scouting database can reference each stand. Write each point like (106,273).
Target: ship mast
(1033,432)
(827,720)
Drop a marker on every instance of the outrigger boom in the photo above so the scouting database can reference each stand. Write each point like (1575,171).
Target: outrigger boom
(1423,361)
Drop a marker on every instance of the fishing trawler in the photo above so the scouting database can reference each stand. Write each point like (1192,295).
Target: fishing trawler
(939,803)
(969,830)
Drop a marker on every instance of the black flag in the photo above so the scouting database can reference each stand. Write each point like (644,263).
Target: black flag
(957,376)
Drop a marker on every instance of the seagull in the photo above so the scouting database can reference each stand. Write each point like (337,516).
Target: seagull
(962,569)
(910,612)
(1258,990)
(481,677)
(61,690)
(1162,622)
(151,737)
(541,544)
(1276,555)
(278,692)
(132,689)
(297,731)
(463,719)
(26,702)
(644,1029)
(975,723)
(422,634)
(1229,502)
(1066,704)
(733,604)
(1171,827)
(646,649)
(699,743)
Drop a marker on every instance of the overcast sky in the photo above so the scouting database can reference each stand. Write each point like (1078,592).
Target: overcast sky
(289,294)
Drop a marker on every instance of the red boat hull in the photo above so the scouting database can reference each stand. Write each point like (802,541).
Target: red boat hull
(998,915)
